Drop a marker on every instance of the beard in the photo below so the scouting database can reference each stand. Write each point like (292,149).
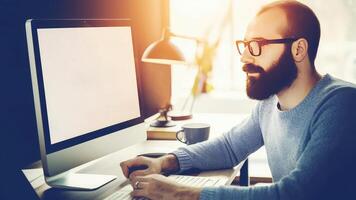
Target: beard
(281,75)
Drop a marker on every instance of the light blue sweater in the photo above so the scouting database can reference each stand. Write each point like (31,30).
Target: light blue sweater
(311,148)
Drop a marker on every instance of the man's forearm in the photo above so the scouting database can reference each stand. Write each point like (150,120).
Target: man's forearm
(170,163)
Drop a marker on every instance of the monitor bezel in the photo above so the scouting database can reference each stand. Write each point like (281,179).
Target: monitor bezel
(78,23)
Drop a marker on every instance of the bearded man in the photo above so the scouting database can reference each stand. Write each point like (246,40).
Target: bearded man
(305,120)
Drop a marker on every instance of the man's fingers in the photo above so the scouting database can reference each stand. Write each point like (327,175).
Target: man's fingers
(140,189)
(141,185)
(130,163)
(140,173)
(143,180)
(125,169)
(139,193)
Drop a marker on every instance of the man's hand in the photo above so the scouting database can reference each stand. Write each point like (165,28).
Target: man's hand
(153,166)
(167,164)
(158,187)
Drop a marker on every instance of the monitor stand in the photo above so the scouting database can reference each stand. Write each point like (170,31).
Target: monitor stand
(79,181)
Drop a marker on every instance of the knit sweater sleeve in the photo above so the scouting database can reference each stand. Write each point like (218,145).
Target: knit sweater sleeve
(225,151)
(326,165)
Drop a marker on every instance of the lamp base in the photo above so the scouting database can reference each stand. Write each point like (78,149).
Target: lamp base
(176,115)
(161,123)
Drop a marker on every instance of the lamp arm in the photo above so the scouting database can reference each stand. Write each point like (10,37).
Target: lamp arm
(198,40)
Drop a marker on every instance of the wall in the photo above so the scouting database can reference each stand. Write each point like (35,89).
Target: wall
(18,127)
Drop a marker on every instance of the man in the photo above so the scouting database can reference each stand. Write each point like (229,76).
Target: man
(305,120)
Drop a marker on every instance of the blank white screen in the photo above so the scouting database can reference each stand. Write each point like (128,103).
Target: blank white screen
(89,79)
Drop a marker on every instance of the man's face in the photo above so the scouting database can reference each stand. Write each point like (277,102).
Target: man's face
(275,68)
(279,76)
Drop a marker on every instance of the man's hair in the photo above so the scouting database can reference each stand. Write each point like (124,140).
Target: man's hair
(302,23)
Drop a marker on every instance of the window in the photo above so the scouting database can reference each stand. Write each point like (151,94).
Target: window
(336,55)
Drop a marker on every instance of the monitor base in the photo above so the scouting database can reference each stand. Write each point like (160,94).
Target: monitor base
(80,181)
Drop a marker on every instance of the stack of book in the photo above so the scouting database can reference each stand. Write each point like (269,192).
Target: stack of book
(169,133)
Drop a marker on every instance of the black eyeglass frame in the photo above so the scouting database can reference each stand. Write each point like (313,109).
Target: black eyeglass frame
(261,43)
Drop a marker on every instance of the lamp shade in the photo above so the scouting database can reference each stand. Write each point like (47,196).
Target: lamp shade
(163,52)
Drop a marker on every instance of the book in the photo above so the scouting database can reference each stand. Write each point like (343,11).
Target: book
(169,133)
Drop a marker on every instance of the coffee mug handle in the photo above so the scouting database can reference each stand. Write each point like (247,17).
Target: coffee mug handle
(182,139)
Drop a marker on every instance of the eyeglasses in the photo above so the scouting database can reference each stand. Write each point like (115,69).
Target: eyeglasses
(255,46)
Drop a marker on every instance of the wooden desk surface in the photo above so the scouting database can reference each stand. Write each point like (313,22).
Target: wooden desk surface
(110,164)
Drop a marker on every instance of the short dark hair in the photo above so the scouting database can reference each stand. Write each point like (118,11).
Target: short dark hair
(302,23)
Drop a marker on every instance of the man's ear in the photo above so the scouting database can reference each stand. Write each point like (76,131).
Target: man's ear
(300,50)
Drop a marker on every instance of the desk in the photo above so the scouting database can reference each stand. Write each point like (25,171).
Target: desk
(110,164)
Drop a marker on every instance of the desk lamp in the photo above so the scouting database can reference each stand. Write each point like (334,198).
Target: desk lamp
(165,52)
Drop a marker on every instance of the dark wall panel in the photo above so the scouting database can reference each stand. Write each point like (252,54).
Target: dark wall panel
(19,143)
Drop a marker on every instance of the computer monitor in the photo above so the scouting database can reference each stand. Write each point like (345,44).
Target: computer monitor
(86,95)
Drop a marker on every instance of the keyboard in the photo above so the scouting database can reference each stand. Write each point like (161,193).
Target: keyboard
(193,181)
(123,194)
